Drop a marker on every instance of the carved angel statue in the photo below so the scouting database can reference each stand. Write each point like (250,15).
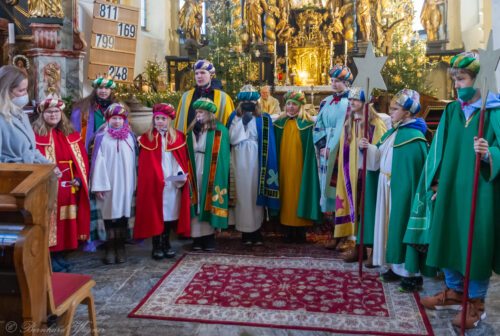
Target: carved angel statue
(430,17)
(364,19)
(253,16)
(283,29)
(45,8)
(191,18)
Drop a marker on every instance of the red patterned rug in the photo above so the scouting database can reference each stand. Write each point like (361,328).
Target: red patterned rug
(288,293)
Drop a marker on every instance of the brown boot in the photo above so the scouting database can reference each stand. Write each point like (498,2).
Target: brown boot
(475,314)
(352,255)
(345,245)
(447,299)
(331,245)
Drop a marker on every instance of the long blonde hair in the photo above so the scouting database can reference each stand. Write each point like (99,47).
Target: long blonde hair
(10,78)
(171,131)
(349,120)
(40,127)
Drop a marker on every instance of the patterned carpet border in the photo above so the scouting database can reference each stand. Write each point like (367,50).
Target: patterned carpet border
(403,320)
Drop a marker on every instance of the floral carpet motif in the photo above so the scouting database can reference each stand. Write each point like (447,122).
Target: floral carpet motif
(294,293)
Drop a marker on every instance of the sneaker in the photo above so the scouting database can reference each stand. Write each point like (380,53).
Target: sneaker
(345,245)
(447,299)
(389,276)
(475,314)
(411,284)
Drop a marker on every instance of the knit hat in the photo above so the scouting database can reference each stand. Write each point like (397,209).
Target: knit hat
(51,101)
(341,72)
(297,97)
(248,92)
(205,104)
(103,82)
(467,60)
(409,100)
(116,109)
(357,93)
(204,65)
(164,109)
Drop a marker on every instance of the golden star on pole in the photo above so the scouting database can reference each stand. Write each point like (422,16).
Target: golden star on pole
(489,61)
(369,68)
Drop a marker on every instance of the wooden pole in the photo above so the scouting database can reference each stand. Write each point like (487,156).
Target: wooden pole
(363,185)
(472,219)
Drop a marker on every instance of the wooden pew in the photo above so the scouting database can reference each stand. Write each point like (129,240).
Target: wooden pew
(27,196)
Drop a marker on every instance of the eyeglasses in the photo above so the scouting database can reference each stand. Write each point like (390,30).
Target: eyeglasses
(52,112)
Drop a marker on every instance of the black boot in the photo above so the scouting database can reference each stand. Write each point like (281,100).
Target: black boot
(257,238)
(165,236)
(109,254)
(208,243)
(246,238)
(121,238)
(300,235)
(157,253)
(197,244)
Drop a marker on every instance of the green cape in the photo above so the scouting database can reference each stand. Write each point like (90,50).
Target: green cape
(309,183)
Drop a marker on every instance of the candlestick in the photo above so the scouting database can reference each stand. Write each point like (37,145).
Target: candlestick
(287,81)
(345,52)
(275,63)
(331,54)
(12,34)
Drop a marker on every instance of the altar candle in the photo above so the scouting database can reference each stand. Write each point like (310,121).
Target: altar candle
(345,52)
(286,62)
(275,59)
(12,34)
(331,54)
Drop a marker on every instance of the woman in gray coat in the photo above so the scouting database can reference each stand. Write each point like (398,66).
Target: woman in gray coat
(17,140)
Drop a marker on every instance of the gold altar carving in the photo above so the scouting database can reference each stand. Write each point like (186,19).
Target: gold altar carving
(190,19)
(430,17)
(45,8)
(308,65)
(52,79)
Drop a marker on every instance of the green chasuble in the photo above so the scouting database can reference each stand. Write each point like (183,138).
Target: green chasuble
(444,223)
(308,207)
(214,196)
(408,157)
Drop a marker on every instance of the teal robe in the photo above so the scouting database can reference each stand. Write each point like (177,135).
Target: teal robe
(444,223)
(214,194)
(308,207)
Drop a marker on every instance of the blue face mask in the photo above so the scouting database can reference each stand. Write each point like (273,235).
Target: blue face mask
(466,94)
(21,101)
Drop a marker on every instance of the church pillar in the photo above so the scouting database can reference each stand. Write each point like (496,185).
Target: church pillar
(454,25)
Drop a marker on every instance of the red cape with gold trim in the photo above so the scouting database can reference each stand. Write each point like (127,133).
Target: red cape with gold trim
(80,159)
(150,184)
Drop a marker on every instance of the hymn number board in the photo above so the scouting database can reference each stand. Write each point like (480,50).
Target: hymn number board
(114,37)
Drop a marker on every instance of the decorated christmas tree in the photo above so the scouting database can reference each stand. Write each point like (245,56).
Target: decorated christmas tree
(407,64)
(233,65)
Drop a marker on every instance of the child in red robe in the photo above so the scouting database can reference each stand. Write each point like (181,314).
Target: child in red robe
(162,199)
(61,144)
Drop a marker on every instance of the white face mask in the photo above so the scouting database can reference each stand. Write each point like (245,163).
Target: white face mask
(21,101)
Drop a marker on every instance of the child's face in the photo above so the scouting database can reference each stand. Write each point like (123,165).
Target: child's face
(338,85)
(116,122)
(201,116)
(397,113)
(103,92)
(292,109)
(462,80)
(52,116)
(356,105)
(160,122)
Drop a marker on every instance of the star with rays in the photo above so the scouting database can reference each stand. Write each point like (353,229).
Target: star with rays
(369,68)
(489,60)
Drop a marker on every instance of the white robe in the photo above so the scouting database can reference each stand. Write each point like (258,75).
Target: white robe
(200,229)
(171,191)
(114,174)
(245,161)
(381,158)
